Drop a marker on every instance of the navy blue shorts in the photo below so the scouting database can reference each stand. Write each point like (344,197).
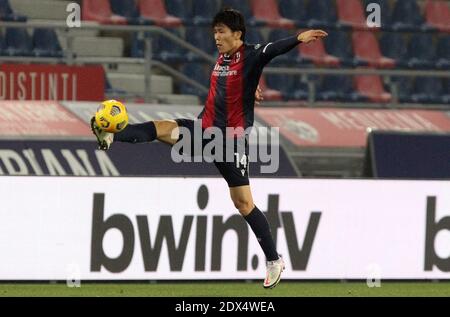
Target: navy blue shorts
(234,172)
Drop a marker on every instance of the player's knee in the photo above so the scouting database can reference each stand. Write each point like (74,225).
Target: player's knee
(243,205)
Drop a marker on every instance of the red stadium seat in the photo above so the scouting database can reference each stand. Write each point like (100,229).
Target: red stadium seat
(100,11)
(268,93)
(316,53)
(372,87)
(351,13)
(365,46)
(156,11)
(437,14)
(267,11)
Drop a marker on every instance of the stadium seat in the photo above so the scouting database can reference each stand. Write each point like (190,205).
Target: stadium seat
(200,37)
(366,48)
(294,10)
(393,46)
(421,52)
(406,16)
(254,36)
(7,14)
(243,7)
(204,11)
(155,10)
(427,90)
(338,88)
(443,53)
(371,87)
(2,44)
(17,42)
(385,11)
(437,14)
(196,72)
(316,53)
(129,10)
(181,9)
(351,14)
(282,83)
(268,93)
(403,87)
(338,44)
(100,11)
(446,91)
(163,49)
(45,43)
(267,11)
(321,14)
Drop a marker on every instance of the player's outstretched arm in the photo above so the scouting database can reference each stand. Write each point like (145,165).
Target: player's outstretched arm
(282,46)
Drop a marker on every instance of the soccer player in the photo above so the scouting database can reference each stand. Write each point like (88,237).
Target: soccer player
(230,103)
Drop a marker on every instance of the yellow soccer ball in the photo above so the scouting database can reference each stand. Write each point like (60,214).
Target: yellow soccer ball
(111,116)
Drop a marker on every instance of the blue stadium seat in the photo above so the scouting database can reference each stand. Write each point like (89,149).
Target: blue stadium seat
(386,23)
(2,45)
(203,11)
(421,51)
(338,88)
(321,14)
(393,46)
(339,44)
(243,7)
(254,36)
(406,16)
(200,37)
(18,42)
(181,9)
(7,14)
(427,90)
(446,91)
(130,11)
(197,72)
(284,83)
(163,49)
(443,53)
(403,86)
(300,91)
(45,43)
(294,10)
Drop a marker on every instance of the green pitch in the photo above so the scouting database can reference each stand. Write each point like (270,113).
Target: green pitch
(233,289)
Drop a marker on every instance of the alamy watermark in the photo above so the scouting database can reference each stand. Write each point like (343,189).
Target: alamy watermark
(74,17)
(374,18)
(235,145)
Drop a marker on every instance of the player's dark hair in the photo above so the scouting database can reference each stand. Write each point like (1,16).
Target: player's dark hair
(231,18)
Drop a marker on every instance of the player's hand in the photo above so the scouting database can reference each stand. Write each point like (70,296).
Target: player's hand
(311,36)
(258,96)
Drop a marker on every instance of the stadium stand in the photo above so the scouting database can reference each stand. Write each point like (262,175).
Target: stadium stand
(155,10)
(267,11)
(413,36)
(100,11)
(351,14)
(437,14)
(129,10)
(7,14)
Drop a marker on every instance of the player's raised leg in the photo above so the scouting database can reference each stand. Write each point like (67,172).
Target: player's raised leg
(243,201)
(163,130)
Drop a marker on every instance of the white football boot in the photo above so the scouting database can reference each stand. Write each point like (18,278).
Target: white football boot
(104,139)
(273,275)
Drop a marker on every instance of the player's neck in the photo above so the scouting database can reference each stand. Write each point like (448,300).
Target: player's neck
(236,48)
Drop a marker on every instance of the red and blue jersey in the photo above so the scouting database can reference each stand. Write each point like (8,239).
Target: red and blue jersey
(233,82)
